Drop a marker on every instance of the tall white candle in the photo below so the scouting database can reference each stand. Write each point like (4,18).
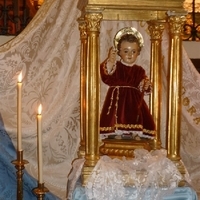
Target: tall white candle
(19,112)
(39,144)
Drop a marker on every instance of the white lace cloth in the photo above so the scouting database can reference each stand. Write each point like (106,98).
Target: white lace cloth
(153,175)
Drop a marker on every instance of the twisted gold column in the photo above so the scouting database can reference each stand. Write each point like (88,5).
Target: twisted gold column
(83,59)
(20,166)
(175,86)
(156,29)
(92,94)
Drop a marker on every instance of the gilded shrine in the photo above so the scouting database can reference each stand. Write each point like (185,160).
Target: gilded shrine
(156,14)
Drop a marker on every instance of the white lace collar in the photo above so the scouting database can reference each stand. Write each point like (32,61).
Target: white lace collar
(129,65)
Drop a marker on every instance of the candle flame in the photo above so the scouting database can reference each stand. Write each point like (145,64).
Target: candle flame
(40,109)
(20,77)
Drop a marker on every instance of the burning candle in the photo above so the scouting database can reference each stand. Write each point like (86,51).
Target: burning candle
(39,144)
(19,113)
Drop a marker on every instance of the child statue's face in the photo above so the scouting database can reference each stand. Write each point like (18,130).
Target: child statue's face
(129,52)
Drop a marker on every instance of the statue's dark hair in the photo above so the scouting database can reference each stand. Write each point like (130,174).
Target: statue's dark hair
(129,38)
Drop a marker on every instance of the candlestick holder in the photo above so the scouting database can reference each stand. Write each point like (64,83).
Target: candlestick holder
(19,165)
(40,191)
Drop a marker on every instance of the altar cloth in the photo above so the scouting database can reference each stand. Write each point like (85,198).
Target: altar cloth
(180,193)
(158,181)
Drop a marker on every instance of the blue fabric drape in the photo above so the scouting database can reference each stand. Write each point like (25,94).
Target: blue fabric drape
(8,179)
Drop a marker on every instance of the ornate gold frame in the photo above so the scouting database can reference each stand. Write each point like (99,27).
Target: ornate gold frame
(157,15)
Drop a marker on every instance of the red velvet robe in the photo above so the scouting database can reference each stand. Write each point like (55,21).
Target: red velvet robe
(124,107)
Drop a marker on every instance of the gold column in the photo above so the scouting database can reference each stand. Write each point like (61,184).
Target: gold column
(92,94)
(175,86)
(156,29)
(83,59)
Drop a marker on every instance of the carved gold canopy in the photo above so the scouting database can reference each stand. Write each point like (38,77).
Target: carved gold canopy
(132,9)
(156,13)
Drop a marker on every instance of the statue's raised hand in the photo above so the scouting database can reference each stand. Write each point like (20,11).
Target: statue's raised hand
(112,55)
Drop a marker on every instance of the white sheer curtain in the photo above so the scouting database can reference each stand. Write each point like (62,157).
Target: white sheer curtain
(47,52)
